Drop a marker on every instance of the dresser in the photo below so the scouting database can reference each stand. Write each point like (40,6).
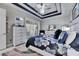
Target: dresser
(19,35)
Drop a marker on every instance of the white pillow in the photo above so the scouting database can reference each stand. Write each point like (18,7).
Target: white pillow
(71,37)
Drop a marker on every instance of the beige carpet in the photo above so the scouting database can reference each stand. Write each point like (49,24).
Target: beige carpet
(17,52)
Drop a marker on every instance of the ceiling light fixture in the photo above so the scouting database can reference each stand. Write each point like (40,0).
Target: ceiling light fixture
(42,10)
(41,7)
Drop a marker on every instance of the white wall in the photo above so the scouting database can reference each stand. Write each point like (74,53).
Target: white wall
(57,20)
(12,12)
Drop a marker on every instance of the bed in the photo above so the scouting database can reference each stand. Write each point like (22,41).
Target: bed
(48,43)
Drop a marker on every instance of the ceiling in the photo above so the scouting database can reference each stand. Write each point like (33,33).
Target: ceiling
(51,9)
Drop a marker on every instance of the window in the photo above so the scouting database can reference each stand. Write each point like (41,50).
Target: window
(32,29)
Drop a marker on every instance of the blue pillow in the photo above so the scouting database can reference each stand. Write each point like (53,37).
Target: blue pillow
(75,43)
(62,37)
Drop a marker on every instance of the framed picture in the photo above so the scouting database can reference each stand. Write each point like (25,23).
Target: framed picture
(75,11)
(19,21)
(51,27)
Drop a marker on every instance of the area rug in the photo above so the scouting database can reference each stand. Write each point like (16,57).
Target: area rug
(17,52)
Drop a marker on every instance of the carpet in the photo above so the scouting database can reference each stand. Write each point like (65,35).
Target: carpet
(17,52)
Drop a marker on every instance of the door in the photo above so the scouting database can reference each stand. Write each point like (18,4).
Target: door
(2,28)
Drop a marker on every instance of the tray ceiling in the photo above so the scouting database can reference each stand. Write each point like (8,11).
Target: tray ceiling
(50,9)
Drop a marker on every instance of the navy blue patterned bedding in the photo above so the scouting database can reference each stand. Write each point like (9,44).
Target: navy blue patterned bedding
(42,43)
(47,43)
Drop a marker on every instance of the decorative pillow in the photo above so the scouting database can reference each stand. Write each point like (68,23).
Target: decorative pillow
(71,37)
(62,37)
(75,43)
(57,33)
